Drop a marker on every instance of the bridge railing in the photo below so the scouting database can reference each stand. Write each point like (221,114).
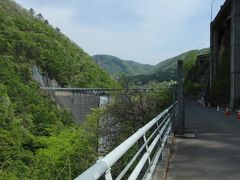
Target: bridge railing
(153,135)
(96,91)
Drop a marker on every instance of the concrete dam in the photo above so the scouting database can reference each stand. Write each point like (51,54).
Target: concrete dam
(78,104)
(78,101)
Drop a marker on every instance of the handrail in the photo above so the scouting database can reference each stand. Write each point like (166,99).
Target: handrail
(91,89)
(95,91)
(103,166)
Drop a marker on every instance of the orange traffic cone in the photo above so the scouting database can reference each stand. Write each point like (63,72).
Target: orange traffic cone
(238,115)
(227,112)
(218,108)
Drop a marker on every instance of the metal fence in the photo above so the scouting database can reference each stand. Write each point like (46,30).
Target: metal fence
(142,165)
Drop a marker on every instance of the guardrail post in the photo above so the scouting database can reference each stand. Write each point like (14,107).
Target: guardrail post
(180,115)
(108,175)
(173,118)
(146,147)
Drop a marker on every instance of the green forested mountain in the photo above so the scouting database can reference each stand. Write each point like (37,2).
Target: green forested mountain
(143,73)
(188,58)
(116,66)
(29,39)
(38,140)
(167,70)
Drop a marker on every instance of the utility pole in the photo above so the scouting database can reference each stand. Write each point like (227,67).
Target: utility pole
(180,114)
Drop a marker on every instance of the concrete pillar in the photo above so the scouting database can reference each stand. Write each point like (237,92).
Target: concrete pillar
(173,102)
(214,54)
(211,55)
(235,54)
(180,115)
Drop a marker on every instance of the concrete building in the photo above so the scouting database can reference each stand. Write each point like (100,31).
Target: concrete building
(225,33)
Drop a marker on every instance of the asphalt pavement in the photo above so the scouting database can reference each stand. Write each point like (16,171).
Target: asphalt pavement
(214,154)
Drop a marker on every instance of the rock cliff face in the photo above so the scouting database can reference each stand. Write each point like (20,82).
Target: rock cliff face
(43,78)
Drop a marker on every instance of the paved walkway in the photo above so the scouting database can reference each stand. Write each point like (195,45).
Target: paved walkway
(214,154)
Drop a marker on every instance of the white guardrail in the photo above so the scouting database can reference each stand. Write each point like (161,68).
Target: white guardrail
(157,130)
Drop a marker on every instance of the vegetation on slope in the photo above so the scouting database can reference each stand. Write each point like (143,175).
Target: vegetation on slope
(116,66)
(30,39)
(167,70)
(128,112)
(38,140)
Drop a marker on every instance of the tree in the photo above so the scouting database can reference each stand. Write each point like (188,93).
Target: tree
(40,16)
(57,29)
(32,11)
(131,110)
(126,113)
(46,21)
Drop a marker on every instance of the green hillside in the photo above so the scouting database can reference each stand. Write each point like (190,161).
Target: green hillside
(31,40)
(167,69)
(38,140)
(187,57)
(116,66)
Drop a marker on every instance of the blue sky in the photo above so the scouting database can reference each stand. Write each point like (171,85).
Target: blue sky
(146,31)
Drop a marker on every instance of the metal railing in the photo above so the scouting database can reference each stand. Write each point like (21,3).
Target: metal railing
(96,91)
(153,135)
